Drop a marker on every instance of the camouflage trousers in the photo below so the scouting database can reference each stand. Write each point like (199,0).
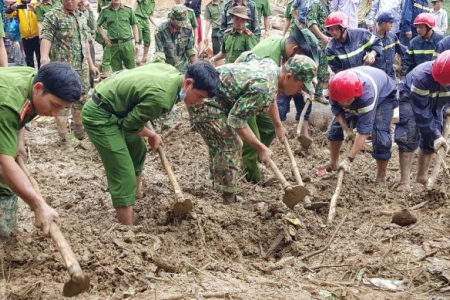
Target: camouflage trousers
(85,87)
(322,72)
(223,143)
(8,215)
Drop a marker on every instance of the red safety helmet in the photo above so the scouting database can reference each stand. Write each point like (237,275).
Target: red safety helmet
(441,68)
(425,19)
(337,19)
(344,86)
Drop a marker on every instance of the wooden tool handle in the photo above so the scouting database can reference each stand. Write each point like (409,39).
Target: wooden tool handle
(170,173)
(61,243)
(294,166)
(439,156)
(21,163)
(67,254)
(278,174)
(302,115)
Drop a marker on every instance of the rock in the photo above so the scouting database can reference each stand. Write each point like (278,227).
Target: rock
(277,22)
(403,218)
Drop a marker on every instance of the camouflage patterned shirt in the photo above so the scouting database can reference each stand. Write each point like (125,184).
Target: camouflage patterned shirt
(317,13)
(69,34)
(246,89)
(174,46)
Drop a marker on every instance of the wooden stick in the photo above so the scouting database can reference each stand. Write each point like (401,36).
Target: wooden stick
(294,166)
(329,242)
(172,130)
(439,156)
(60,242)
(278,173)
(307,99)
(333,202)
(168,168)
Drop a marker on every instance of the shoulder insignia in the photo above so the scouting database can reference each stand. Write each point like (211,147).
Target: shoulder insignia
(26,110)
(248,32)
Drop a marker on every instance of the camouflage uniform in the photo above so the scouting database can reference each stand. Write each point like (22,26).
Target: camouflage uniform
(237,41)
(69,33)
(247,89)
(316,14)
(252,24)
(175,46)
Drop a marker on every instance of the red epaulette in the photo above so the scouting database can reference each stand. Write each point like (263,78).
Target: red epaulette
(248,32)
(27,108)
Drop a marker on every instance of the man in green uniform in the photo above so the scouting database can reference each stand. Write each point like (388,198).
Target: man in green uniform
(3,55)
(24,95)
(246,89)
(192,20)
(252,24)
(142,12)
(42,8)
(64,38)
(263,8)
(120,108)
(315,21)
(118,21)
(213,15)
(237,39)
(174,41)
(106,58)
(279,49)
(85,8)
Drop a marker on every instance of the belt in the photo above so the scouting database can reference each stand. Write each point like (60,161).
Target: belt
(106,107)
(117,41)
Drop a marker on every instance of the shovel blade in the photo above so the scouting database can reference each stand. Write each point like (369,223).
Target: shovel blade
(305,141)
(294,195)
(73,288)
(181,207)
(315,205)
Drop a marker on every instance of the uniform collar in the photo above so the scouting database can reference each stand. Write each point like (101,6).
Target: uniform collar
(234,30)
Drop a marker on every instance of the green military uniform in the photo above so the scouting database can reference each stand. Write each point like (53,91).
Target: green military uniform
(15,88)
(44,7)
(69,34)
(316,14)
(252,23)
(142,12)
(2,30)
(237,41)
(263,8)
(118,26)
(175,46)
(128,101)
(213,12)
(247,89)
(288,15)
(272,47)
(106,58)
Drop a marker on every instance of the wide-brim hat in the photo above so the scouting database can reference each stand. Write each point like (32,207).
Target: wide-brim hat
(308,43)
(239,11)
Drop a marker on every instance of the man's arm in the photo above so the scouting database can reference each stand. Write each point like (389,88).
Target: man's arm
(46,45)
(3,54)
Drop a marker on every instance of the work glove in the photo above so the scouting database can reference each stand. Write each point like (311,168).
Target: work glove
(440,143)
(349,135)
(345,165)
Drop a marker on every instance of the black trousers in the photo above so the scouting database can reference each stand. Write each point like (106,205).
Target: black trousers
(32,46)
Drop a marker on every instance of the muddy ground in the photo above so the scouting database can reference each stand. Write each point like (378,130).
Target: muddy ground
(257,249)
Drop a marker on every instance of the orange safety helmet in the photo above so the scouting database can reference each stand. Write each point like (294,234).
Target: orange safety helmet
(337,18)
(441,68)
(344,86)
(425,19)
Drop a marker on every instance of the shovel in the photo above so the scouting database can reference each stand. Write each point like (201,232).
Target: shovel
(181,206)
(292,194)
(306,201)
(304,140)
(79,282)
(439,156)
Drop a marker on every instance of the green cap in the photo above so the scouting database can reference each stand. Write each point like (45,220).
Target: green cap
(304,68)
(179,14)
